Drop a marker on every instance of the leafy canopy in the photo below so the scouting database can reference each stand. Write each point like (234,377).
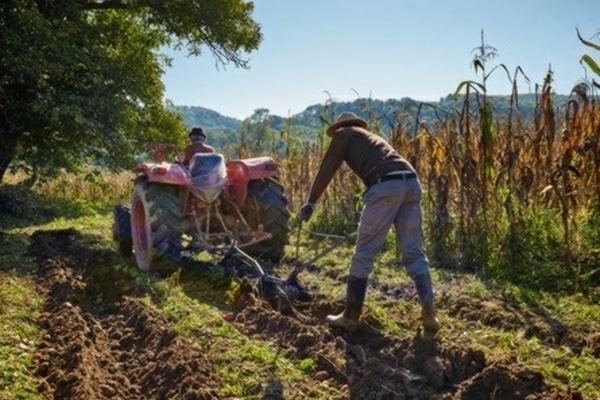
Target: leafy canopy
(80,81)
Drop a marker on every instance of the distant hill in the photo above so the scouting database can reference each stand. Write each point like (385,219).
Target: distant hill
(306,124)
(387,111)
(207,118)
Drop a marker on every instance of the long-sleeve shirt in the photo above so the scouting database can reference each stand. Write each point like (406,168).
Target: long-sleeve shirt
(368,155)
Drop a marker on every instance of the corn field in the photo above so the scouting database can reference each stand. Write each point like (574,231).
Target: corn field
(485,178)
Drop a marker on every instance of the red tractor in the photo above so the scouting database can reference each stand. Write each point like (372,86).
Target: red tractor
(210,205)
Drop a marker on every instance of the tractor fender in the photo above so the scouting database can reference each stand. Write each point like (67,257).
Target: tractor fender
(164,172)
(240,172)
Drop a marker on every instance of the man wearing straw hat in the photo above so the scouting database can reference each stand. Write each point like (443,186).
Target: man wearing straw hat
(393,197)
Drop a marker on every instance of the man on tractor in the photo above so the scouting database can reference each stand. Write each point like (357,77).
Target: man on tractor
(393,197)
(198,137)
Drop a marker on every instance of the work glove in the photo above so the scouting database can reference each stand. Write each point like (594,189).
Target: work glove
(306,211)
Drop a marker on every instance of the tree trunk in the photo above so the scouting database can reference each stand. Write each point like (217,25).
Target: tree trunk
(7,154)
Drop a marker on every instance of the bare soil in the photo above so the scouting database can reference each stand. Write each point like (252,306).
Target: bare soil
(370,365)
(107,345)
(498,312)
(501,381)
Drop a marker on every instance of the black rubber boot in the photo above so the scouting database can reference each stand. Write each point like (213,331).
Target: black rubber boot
(355,297)
(428,312)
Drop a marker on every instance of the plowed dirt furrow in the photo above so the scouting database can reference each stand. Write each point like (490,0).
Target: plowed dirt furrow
(119,350)
(497,312)
(374,365)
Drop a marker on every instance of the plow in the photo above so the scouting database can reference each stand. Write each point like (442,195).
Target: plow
(234,209)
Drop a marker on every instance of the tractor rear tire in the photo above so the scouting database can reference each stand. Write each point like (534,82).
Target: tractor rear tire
(156,225)
(270,210)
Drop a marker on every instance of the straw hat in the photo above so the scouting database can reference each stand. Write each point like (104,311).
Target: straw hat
(346,118)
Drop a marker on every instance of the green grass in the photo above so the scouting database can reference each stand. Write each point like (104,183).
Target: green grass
(195,304)
(244,365)
(20,307)
(20,301)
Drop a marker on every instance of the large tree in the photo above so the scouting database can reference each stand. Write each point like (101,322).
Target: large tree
(80,80)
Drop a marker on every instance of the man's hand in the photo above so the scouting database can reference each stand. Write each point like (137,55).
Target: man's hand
(306,211)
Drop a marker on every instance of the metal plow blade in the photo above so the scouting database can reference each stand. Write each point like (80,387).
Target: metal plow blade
(279,293)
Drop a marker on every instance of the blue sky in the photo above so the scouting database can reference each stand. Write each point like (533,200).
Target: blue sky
(386,49)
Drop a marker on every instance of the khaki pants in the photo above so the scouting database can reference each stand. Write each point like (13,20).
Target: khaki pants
(396,202)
